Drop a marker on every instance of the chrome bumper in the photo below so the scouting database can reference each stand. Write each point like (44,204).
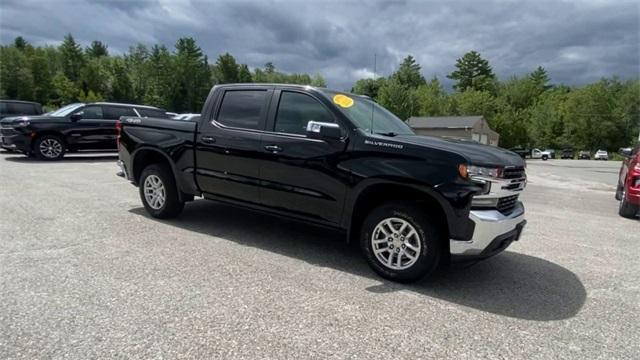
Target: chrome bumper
(490,226)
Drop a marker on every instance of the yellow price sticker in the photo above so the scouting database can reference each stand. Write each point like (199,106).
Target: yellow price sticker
(343,100)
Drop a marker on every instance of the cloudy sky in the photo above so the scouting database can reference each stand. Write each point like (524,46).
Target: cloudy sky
(576,41)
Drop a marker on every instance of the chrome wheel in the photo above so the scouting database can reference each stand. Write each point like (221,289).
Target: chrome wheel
(396,243)
(50,148)
(154,192)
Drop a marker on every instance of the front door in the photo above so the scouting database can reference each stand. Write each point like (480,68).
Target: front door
(301,175)
(228,151)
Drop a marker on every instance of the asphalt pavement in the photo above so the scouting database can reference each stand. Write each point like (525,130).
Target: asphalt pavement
(85,273)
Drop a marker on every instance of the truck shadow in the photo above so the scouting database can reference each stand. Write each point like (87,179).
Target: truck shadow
(510,284)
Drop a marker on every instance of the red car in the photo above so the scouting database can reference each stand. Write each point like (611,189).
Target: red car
(629,183)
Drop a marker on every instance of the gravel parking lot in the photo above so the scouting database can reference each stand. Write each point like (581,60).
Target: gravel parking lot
(84,273)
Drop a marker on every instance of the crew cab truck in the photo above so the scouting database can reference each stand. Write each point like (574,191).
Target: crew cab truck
(333,159)
(75,127)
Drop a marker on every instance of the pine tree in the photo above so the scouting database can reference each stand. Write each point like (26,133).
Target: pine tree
(408,74)
(72,58)
(473,72)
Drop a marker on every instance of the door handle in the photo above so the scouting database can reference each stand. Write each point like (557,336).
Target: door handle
(208,139)
(273,148)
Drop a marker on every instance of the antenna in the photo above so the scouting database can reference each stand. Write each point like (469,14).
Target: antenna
(375,56)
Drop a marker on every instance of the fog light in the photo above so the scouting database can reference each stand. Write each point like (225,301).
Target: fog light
(484,202)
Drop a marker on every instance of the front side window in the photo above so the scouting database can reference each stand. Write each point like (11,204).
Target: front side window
(91,112)
(242,108)
(295,110)
(115,112)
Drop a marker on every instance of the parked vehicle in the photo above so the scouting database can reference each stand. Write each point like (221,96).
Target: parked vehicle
(567,154)
(524,153)
(601,155)
(584,155)
(19,108)
(544,155)
(74,127)
(333,159)
(628,192)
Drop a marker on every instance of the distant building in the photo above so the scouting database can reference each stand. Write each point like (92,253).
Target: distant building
(456,127)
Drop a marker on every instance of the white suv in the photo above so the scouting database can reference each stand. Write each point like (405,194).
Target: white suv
(601,155)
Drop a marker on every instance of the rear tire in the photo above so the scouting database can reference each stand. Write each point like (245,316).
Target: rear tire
(49,147)
(545,157)
(627,210)
(159,193)
(401,242)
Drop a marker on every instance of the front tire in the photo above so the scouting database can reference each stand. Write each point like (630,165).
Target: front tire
(401,242)
(159,193)
(49,147)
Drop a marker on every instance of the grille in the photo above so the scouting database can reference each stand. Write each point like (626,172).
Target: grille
(507,204)
(513,173)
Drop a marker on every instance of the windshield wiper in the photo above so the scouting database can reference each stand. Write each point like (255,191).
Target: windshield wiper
(390,133)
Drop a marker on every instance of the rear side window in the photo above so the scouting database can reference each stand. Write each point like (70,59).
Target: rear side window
(156,113)
(296,110)
(114,112)
(21,109)
(92,112)
(242,108)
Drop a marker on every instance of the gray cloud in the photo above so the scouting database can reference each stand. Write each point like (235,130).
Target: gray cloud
(576,42)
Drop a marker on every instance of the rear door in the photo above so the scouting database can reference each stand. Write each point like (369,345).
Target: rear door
(85,133)
(301,175)
(228,145)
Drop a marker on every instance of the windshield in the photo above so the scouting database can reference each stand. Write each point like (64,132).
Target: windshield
(65,110)
(366,113)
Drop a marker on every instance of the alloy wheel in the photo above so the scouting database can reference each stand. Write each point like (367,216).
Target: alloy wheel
(154,192)
(396,243)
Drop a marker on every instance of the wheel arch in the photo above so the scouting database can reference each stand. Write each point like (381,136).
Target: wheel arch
(145,156)
(38,134)
(377,193)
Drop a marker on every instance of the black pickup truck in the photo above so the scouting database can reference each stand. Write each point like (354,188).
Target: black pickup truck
(75,127)
(333,159)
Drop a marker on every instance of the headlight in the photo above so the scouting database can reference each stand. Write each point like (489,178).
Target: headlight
(483,171)
(21,123)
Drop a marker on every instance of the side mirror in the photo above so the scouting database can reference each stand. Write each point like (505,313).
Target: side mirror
(626,152)
(75,117)
(323,130)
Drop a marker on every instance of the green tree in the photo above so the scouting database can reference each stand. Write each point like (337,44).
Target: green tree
(540,79)
(20,43)
(121,87)
(408,74)
(97,49)
(398,98)
(226,69)
(368,87)
(192,76)
(473,72)
(63,91)
(72,58)
(42,72)
(244,75)
(318,81)
(431,99)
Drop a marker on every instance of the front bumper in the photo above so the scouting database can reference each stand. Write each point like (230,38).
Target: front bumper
(493,233)
(17,142)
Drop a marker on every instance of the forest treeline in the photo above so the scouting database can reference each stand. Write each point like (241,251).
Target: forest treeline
(527,111)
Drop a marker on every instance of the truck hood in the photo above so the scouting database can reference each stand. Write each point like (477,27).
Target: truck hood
(477,154)
(36,119)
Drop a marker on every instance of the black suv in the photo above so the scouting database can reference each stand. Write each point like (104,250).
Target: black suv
(19,108)
(75,127)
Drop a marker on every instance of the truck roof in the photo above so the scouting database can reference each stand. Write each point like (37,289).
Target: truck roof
(123,104)
(317,88)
